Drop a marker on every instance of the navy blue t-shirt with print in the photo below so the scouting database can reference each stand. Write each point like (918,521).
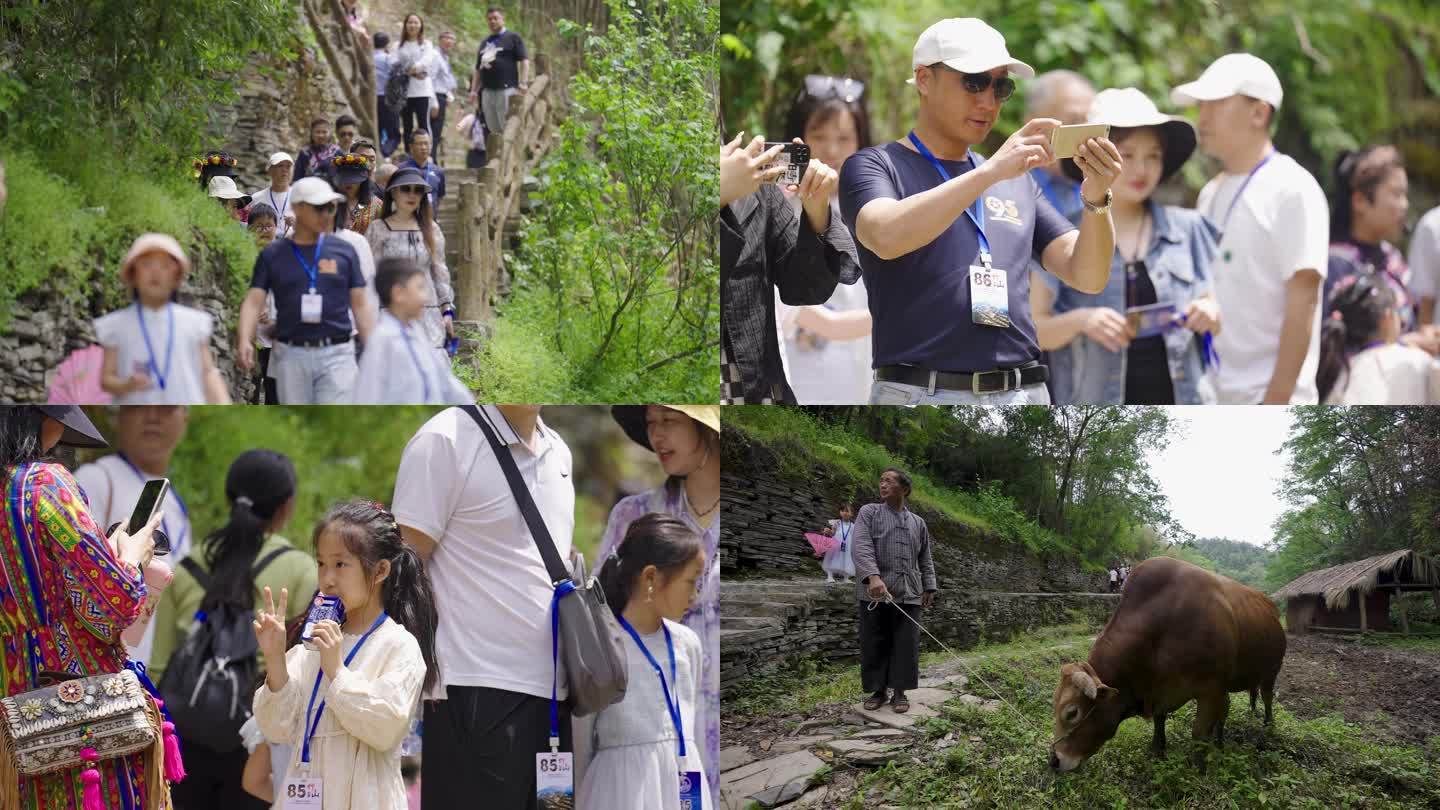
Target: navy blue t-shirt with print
(920,302)
(505,70)
(278,271)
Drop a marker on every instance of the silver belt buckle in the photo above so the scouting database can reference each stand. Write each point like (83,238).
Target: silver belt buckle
(1018,385)
(975,384)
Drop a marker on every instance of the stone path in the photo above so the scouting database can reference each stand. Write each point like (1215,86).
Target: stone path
(782,771)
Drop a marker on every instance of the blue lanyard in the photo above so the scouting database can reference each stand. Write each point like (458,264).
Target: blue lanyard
(279,212)
(164,522)
(311,727)
(169,343)
(975,212)
(311,269)
(561,590)
(1224,224)
(1043,178)
(673,707)
(845,536)
(419,369)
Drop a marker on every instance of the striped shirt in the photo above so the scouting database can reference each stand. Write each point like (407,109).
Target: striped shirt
(896,546)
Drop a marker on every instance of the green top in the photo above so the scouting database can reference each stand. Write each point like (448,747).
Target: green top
(292,571)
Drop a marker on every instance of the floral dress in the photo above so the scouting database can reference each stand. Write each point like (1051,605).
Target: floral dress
(703,617)
(386,242)
(64,601)
(363,215)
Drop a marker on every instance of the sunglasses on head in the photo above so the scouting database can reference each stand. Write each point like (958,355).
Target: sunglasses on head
(840,87)
(977,83)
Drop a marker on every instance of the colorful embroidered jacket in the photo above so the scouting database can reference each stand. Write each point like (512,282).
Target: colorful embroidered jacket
(64,600)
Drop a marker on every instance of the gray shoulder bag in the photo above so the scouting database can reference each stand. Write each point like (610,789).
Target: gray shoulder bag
(586,632)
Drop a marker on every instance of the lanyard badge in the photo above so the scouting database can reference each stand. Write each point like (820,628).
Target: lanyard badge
(989,285)
(152,366)
(555,769)
(690,781)
(311,303)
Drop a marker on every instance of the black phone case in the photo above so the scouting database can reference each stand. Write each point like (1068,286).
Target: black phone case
(799,157)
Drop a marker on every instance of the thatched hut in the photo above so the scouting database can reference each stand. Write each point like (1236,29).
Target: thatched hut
(1356,595)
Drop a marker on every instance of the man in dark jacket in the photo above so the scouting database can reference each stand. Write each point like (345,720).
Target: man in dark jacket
(765,246)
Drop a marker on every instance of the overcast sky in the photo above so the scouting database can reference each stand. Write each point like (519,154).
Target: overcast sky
(1221,476)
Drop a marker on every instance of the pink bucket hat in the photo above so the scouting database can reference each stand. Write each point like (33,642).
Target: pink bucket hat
(154,243)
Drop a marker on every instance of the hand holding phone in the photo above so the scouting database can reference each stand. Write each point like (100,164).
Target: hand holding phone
(1065,139)
(794,157)
(151,497)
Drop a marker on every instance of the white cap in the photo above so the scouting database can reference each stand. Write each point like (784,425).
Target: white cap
(224,188)
(968,45)
(280,157)
(1234,74)
(313,191)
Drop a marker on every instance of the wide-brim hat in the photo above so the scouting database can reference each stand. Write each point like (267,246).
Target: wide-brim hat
(223,187)
(1129,108)
(407,176)
(153,243)
(79,430)
(631,419)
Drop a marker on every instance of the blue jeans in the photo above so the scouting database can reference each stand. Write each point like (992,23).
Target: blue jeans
(322,375)
(893,393)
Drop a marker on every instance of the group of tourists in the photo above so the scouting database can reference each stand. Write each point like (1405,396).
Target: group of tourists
(424,630)
(1118,575)
(926,274)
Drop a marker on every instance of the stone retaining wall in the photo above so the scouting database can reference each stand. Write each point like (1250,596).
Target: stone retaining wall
(767,513)
(826,624)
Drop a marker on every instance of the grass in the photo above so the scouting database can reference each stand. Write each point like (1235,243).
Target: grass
(801,442)
(1318,763)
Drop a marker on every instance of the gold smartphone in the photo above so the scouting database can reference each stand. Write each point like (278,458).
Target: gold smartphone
(1064,139)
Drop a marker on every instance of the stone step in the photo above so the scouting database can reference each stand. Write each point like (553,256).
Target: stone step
(731,607)
(729,622)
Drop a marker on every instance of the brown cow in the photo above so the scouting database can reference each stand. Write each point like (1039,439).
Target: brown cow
(1181,633)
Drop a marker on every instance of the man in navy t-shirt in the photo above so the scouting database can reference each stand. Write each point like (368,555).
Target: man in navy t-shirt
(950,301)
(318,289)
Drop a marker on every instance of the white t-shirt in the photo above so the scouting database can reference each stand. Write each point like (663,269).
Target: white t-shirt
(1424,257)
(838,372)
(491,587)
(180,357)
(423,55)
(113,488)
(1280,225)
(392,373)
(1394,374)
(367,269)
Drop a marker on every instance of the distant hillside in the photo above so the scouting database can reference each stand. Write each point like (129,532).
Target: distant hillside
(1242,562)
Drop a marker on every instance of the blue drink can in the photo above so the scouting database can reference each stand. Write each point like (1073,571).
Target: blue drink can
(324,607)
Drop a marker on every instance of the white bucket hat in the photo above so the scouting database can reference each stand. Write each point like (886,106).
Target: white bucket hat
(1129,108)
(966,44)
(1234,74)
(224,188)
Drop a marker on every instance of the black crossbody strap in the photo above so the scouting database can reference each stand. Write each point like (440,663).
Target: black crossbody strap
(203,577)
(554,566)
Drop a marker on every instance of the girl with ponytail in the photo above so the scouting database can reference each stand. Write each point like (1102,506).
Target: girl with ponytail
(1362,361)
(346,705)
(643,751)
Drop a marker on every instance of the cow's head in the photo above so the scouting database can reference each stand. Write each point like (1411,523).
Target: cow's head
(1087,712)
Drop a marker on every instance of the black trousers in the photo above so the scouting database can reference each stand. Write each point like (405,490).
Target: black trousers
(389,123)
(889,647)
(437,131)
(416,115)
(212,781)
(480,746)
(266,384)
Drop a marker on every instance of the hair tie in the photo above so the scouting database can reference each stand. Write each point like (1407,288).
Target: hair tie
(244,502)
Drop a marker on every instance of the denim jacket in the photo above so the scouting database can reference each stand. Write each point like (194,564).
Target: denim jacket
(1178,260)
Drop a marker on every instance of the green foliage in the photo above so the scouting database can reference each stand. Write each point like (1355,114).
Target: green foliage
(68,227)
(1361,482)
(1071,480)
(1243,562)
(621,275)
(1327,56)
(132,79)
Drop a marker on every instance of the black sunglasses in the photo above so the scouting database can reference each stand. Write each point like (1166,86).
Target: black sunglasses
(412,189)
(978,83)
(840,87)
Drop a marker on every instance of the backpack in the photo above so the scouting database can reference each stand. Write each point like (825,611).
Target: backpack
(209,682)
(397,85)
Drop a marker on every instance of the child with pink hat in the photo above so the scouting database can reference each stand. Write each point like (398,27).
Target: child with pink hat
(157,352)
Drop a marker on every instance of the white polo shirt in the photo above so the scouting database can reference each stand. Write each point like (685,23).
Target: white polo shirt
(1280,225)
(1425,256)
(113,487)
(491,587)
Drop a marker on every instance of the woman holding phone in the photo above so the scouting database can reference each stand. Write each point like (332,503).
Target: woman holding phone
(1144,339)
(74,592)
